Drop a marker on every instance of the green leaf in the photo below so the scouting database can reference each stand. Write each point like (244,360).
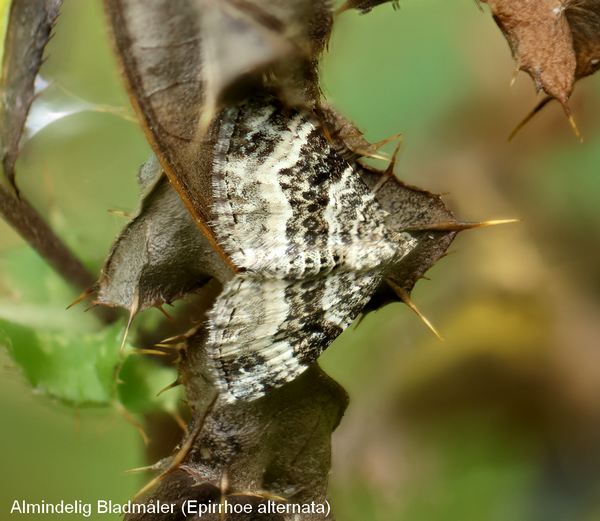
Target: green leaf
(68,354)
(76,368)
(31,294)
(141,379)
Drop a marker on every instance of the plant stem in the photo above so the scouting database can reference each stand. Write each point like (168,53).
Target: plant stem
(32,227)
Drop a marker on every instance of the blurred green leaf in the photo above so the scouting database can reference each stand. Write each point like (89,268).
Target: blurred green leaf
(141,379)
(32,295)
(76,368)
(68,354)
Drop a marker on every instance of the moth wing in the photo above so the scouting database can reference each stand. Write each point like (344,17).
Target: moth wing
(286,204)
(264,333)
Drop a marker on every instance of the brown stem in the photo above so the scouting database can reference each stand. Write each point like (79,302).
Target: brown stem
(32,227)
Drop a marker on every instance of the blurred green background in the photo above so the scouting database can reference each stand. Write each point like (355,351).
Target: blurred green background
(502,420)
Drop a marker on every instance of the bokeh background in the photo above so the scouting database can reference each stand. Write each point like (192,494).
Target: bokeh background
(502,420)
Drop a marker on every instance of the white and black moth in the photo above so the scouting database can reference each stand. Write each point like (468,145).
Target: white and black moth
(308,236)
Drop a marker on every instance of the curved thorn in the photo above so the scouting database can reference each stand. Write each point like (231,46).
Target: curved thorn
(81,297)
(181,453)
(529,116)
(172,385)
(130,419)
(572,122)
(405,297)
(165,313)
(132,313)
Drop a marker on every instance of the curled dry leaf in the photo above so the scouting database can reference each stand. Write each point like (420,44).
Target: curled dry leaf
(29,29)
(160,256)
(179,66)
(540,39)
(557,42)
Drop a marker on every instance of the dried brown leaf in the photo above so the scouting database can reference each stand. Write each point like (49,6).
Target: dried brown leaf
(181,58)
(540,39)
(160,255)
(556,42)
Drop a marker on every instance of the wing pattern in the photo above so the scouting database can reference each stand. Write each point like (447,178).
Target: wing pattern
(310,240)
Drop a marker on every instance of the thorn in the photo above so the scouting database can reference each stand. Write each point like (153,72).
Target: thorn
(513,79)
(388,173)
(572,122)
(155,352)
(130,419)
(530,116)
(176,339)
(119,213)
(81,297)
(164,312)
(132,312)
(181,453)
(377,145)
(180,421)
(405,297)
(168,346)
(172,385)
(148,468)
(456,226)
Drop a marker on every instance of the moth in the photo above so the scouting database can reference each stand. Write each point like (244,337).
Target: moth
(309,239)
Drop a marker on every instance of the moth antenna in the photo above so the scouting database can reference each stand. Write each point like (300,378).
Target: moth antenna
(181,453)
(405,297)
(529,117)
(132,313)
(81,297)
(172,385)
(457,226)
